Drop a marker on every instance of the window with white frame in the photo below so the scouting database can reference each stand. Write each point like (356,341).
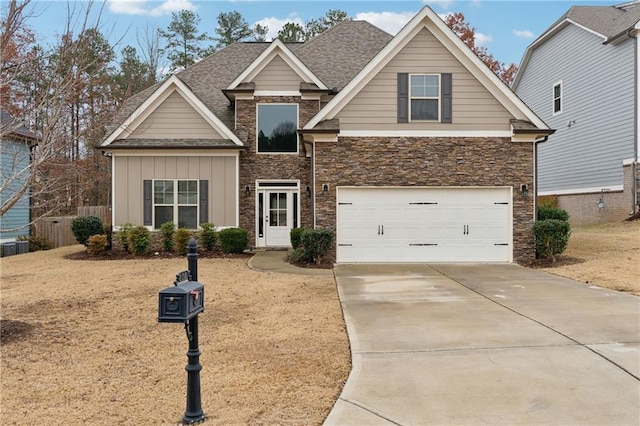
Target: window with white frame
(175,201)
(424,92)
(277,128)
(557,98)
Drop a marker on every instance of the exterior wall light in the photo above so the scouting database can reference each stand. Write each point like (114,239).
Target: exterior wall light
(247,190)
(308,191)
(325,188)
(524,190)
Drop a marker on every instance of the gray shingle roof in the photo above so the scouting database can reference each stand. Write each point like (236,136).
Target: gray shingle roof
(173,144)
(609,21)
(334,56)
(8,120)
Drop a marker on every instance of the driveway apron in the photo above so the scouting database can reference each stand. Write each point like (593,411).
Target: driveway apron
(486,344)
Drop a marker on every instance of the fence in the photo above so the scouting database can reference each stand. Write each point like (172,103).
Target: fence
(58,229)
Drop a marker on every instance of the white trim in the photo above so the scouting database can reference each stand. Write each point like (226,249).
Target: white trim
(113,191)
(297,151)
(553,98)
(172,84)
(176,153)
(576,191)
(428,133)
(262,242)
(276,48)
(313,185)
(630,161)
(237,191)
(176,204)
(450,41)
(274,93)
(438,98)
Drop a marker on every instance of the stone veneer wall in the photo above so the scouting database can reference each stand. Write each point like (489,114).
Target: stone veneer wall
(396,161)
(618,205)
(272,166)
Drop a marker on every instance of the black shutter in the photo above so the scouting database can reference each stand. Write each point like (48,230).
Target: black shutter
(403,97)
(445,98)
(204,201)
(147,216)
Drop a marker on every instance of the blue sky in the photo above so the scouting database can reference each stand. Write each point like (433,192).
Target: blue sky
(506,28)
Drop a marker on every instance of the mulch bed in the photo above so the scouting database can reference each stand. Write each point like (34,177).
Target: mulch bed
(123,255)
(548,263)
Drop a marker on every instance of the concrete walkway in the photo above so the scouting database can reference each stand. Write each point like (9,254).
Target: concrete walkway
(486,344)
(276,261)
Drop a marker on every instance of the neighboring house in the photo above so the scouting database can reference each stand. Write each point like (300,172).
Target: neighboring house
(15,149)
(582,77)
(408,147)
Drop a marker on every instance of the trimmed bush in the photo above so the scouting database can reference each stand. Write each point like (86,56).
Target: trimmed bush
(122,236)
(208,236)
(85,226)
(97,244)
(315,244)
(233,240)
(167,230)
(552,237)
(546,211)
(295,236)
(180,241)
(36,243)
(139,240)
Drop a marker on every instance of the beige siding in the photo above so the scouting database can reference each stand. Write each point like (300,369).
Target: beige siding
(277,76)
(374,108)
(175,118)
(220,171)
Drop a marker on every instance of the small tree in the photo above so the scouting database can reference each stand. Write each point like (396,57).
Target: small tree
(85,226)
(139,240)
(552,237)
(181,240)
(208,236)
(167,230)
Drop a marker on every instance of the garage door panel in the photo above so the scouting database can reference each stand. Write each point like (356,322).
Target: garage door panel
(424,224)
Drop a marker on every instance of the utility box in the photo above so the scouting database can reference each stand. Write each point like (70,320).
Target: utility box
(181,302)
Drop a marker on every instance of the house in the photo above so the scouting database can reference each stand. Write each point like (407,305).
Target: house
(15,150)
(408,147)
(582,77)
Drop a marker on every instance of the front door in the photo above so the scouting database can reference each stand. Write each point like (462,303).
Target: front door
(277,215)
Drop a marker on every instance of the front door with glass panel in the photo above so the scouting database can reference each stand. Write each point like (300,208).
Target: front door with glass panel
(277,215)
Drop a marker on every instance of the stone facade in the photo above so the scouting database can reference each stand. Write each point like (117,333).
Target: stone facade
(397,161)
(255,166)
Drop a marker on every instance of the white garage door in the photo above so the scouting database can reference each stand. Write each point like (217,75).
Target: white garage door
(445,224)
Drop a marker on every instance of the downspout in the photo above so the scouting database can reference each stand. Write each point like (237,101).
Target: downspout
(636,130)
(535,176)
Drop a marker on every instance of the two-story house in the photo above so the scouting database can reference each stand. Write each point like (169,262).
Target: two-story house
(15,150)
(582,77)
(408,147)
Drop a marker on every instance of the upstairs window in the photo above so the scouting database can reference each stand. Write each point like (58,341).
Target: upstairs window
(425,97)
(277,126)
(557,98)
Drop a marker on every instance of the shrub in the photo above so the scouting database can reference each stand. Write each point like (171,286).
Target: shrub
(545,211)
(122,236)
(295,235)
(552,237)
(36,243)
(167,230)
(208,236)
(85,226)
(316,243)
(139,240)
(97,244)
(233,240)
(181,240)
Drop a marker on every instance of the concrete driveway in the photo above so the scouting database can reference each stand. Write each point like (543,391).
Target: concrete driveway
(486,344)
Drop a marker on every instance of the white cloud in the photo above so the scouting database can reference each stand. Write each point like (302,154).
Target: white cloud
(391,22)
(143,7)
(483,39)
(523,34)
(276,24)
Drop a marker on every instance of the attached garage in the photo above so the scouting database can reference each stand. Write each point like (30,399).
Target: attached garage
(433,224)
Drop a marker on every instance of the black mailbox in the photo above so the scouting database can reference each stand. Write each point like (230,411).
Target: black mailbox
(181,302)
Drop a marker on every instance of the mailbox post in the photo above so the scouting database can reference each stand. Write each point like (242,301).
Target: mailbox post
(182,303)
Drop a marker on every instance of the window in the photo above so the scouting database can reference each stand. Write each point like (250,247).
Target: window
(557,98)
(425,97)
(175,201)
(277,128)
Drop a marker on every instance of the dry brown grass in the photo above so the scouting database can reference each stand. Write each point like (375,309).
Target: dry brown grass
(274,348)
(609,255)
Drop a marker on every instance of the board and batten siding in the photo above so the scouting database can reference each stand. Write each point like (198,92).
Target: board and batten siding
(375,106)
(130,172)
(14,159)
(598,100)
(175,118)
(277,76)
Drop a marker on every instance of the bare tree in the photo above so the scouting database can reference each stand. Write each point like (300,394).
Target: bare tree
(150,51)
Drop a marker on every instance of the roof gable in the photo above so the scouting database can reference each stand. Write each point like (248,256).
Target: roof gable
(426,18)
(276,49)
(172,85)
